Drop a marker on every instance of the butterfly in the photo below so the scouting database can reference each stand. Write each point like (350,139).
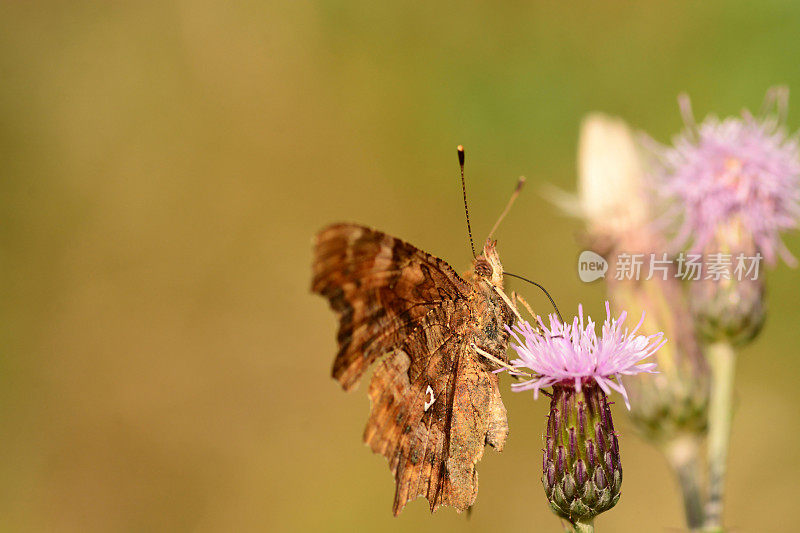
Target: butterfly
(436,339)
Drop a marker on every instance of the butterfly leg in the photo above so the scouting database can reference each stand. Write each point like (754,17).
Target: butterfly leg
(508,302)
(526,305)
(515,297)
(498,362)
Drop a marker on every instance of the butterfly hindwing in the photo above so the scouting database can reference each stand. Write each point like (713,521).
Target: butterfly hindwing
(434,408)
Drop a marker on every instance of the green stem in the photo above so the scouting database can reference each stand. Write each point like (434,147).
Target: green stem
(583,527)
(683,456)
(722,361)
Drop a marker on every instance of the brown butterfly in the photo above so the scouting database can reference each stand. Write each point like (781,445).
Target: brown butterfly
(437,337)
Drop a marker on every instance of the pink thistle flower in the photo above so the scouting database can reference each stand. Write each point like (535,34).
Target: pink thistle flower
(745,168)
(573,354)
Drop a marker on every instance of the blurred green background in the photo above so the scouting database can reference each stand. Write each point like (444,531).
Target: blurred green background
(165,165)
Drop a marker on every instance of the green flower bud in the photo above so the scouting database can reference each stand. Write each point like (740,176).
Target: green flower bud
(729,309)
(673,402)
(582,473)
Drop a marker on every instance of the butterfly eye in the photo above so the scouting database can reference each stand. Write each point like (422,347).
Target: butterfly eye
(483,268)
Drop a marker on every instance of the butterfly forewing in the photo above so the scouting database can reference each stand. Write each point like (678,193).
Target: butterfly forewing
(381,287)
(435,403)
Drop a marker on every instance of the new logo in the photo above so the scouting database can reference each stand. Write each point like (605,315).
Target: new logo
(591,266)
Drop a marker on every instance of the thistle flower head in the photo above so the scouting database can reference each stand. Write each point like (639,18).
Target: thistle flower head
(573,353)
(745,168)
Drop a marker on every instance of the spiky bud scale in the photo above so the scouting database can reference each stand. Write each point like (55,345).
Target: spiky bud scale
(582,472)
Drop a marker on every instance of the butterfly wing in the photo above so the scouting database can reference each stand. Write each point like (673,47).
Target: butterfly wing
(381,288)
(434,404)
(434,408)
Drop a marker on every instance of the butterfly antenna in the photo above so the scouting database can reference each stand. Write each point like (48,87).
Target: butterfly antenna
(464,192)
(552,302)
(511,200)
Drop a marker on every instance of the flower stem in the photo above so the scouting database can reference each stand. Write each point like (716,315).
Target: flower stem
(722,361)
(583,527)
(683,456)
